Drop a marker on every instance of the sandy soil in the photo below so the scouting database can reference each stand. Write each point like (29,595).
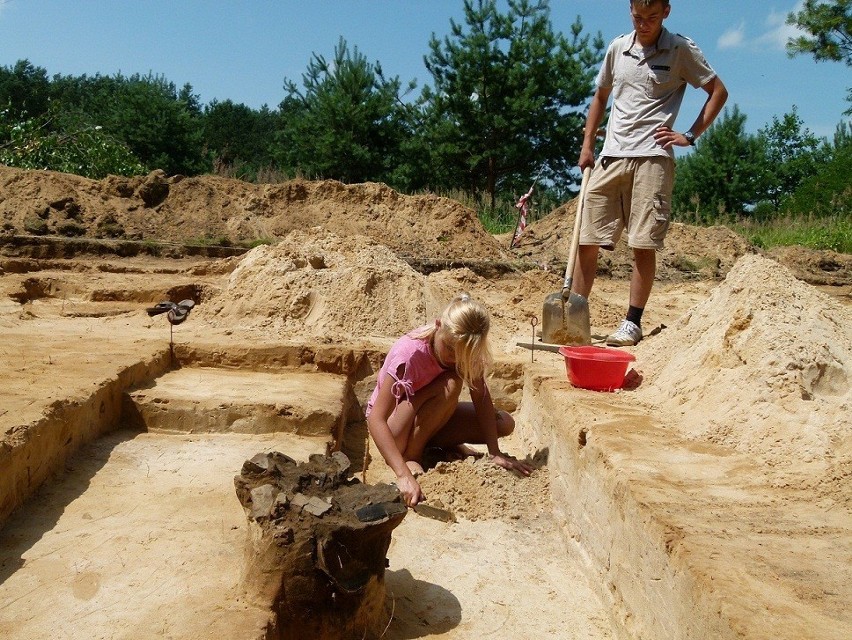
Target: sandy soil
(751,360)
(114,549)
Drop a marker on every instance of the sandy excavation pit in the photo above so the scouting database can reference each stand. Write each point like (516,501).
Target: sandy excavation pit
(710,500)
(141,534)
(107,552)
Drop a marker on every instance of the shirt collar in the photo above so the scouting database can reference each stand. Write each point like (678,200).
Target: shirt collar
(664,42)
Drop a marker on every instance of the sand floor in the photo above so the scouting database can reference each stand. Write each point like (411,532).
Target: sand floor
(140,537)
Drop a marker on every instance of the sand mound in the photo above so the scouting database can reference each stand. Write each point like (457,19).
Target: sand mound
(764,366)
(815,267)
(480,490)
(711,251)
(209,209)
(317,283)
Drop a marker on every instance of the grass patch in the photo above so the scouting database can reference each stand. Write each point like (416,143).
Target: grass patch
(499,221)
(152,247)
(210,241)
(834,233)
(251,244)
(504,217)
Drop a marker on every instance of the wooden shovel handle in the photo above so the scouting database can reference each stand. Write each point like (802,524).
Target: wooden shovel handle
(575,237)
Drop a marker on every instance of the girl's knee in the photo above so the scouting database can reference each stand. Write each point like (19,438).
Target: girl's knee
(505,424)
(446,387)
(451,384)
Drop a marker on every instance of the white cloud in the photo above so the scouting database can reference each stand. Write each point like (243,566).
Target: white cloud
(733,37)
(778,31)
(775,32)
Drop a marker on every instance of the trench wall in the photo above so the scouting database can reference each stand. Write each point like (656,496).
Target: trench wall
(635,558)
(32,453)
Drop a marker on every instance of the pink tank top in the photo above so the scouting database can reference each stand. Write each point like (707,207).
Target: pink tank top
(419,367)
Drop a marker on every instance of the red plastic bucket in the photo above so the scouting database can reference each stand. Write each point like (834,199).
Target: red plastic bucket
(596,368)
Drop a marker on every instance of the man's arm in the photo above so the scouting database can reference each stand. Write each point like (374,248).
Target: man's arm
(597,109)
(717,95)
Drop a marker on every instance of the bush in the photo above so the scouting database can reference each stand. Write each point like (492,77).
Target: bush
(66,143)
(763,211)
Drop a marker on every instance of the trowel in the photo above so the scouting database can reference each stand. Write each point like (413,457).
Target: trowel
(565,317)
(436,513)
(372,512)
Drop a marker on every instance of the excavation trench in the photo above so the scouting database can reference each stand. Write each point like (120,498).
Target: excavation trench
(123,520)
(710,501)
(156,499)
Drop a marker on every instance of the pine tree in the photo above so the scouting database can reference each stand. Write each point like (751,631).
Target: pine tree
(508,98)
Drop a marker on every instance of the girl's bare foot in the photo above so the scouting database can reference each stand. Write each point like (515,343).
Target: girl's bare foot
(415,468)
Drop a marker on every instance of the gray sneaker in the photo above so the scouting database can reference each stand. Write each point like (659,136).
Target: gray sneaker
(628,334)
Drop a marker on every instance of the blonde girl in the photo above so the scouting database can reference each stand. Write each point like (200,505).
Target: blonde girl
(416,399)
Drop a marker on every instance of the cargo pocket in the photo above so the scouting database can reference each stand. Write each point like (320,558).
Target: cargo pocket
(662,216)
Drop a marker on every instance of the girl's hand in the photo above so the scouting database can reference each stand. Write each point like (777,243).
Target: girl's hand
(410,490)
(510,463)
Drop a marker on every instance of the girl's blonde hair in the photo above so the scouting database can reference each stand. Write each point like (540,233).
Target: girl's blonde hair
(464,326)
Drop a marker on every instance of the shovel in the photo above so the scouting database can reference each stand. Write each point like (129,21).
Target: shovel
(565,318)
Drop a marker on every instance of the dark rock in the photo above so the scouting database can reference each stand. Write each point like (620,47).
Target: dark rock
(309,556)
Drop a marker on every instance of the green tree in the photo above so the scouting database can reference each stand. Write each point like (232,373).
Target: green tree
(24,90)
(790,153)
(827,27)
(828,192)
(346,123)
(162,129)
(239,137)
(507,98)
(721,177)
(161,125)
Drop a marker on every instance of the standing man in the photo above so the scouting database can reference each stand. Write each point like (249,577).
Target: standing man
(646,72)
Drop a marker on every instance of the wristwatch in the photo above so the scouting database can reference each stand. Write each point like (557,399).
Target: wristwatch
(690,138)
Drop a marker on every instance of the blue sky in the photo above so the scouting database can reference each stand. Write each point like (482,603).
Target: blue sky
(243,49)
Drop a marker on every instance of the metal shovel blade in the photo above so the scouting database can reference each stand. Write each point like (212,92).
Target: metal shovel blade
(566,314)
(564,321)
